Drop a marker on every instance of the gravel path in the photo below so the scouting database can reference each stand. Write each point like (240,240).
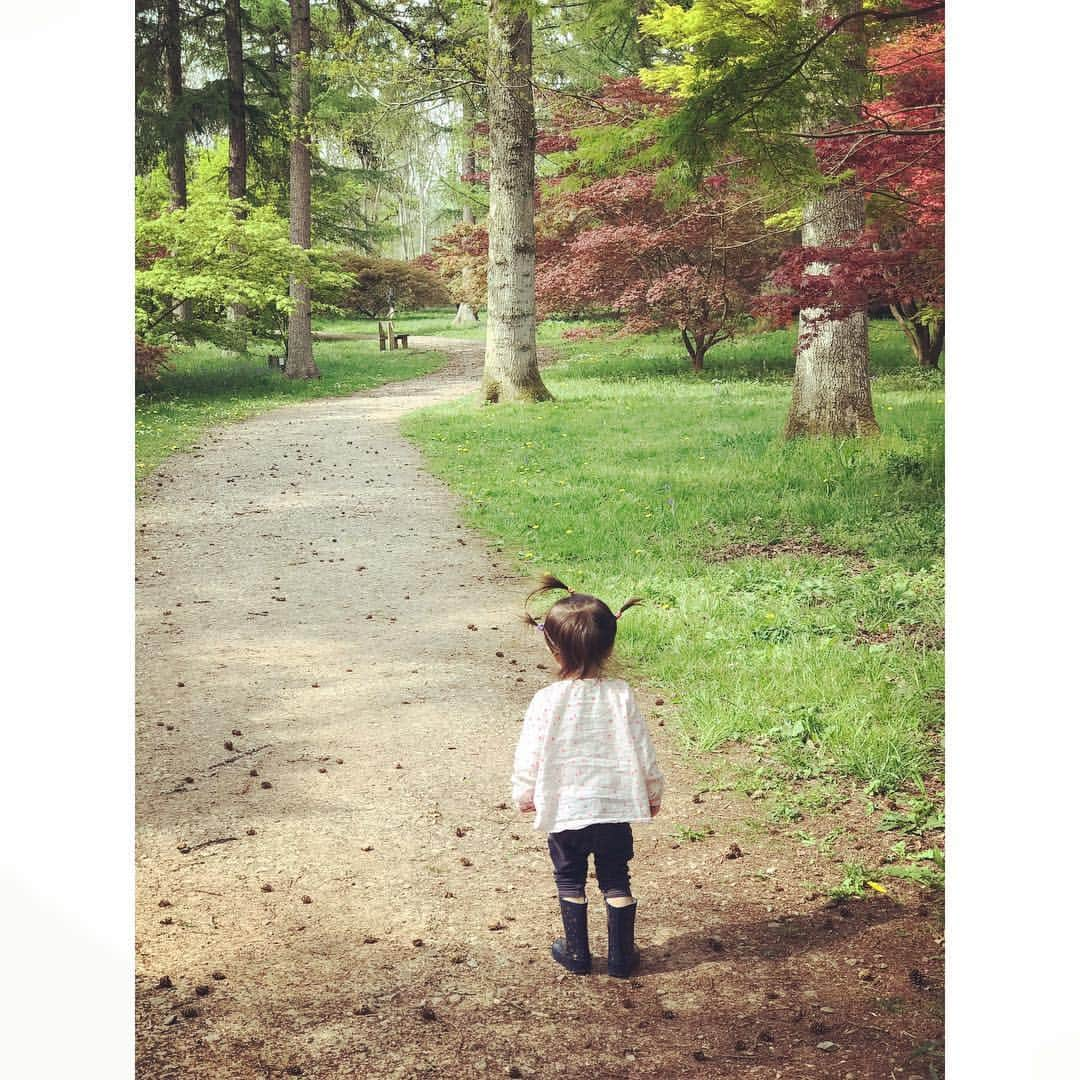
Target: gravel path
(328,873)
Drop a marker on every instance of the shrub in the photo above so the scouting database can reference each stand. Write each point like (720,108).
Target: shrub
(150,361)
(376,285)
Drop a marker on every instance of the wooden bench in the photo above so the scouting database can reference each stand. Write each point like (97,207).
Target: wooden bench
(388,337)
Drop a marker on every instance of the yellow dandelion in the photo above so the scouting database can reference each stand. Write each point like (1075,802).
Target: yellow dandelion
(878,888)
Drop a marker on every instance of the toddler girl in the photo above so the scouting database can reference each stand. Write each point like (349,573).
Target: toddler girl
(587,767)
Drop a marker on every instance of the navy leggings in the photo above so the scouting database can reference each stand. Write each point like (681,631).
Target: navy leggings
(612,847)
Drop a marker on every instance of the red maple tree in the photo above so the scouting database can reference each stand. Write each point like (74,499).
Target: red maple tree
(620,245)
(461,258)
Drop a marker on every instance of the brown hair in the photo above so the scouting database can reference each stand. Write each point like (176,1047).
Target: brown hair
(579,629)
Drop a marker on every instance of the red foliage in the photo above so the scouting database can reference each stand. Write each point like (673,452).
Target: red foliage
(461,258)
(377,285)
(897,152)
(617,245)
(425,262)
(150,361)
(146,258)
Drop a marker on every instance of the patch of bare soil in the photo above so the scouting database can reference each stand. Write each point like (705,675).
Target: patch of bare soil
(857,561)
(330,879)
(921,635)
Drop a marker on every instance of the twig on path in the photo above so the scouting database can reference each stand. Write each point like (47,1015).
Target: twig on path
(207,843)
(236,757)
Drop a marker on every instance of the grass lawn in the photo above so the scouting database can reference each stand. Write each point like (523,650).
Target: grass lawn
(209,386)
(643,479)
(436,322)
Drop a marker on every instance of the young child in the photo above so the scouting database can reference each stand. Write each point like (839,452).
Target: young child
(587,767)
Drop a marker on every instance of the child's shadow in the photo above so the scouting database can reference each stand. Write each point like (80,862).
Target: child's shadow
(774,938)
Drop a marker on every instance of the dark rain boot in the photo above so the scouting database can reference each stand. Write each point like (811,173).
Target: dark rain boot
(622,956)
(572,951)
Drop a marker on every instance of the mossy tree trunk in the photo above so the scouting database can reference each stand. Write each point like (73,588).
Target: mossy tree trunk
(300,358)
(511,368)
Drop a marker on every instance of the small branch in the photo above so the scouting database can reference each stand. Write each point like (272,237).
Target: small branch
(236,757)
(207,843)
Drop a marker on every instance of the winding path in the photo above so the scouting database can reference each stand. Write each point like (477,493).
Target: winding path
(328,873)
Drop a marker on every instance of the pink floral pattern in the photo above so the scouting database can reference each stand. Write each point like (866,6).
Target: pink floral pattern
(585,757)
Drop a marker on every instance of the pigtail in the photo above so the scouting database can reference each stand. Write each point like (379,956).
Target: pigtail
(632,602)
(547,582)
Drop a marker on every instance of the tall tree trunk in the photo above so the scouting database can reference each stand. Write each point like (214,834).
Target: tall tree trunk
(300,358)
(465,315)
(511,370)
(234,49)
(831,391)
(176,148)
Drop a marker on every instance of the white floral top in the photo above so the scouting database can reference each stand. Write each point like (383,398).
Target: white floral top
(585,757)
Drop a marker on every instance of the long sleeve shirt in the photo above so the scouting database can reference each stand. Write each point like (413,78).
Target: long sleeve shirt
(585,757)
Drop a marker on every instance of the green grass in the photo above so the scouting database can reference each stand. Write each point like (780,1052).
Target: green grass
(209,386)
(639,475)
(436,322)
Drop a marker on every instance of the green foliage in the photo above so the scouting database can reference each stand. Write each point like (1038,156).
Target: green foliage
(925,867)
(751,74)
(208,255)
(853,883)
(922,816)
(688,834)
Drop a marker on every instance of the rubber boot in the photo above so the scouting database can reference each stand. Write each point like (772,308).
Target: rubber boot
(572,951)
(623,957)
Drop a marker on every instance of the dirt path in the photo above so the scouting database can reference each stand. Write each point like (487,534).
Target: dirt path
(328,871)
